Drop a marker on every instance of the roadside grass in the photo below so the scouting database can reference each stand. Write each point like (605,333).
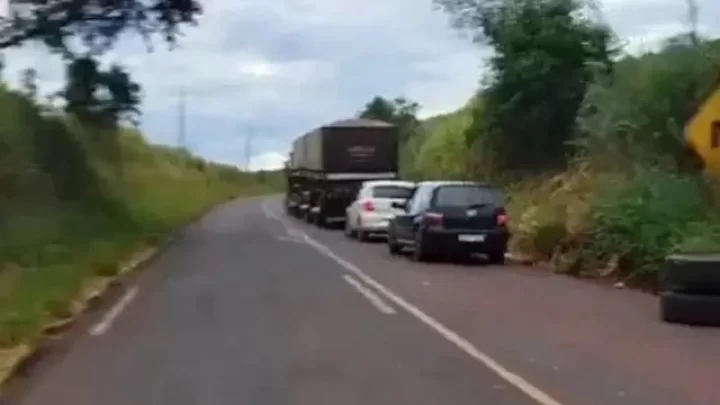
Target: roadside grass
(77,203)
(43,274)
(621,224)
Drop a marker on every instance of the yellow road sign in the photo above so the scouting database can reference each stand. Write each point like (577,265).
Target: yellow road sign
(702,131)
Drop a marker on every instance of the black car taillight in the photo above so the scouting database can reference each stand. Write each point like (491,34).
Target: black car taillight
(433,220)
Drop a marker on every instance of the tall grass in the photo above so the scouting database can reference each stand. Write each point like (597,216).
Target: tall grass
(76,201)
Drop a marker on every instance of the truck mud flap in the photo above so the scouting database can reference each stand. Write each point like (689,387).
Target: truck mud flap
(692,274)
(688,309)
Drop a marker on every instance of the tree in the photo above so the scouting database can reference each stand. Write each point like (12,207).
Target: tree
(546,54)
(379,109)
(82,30)
(101,96)
(97,23)
(398,111)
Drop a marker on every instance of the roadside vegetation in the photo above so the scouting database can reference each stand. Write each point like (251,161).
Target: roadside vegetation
(78,199)
(587,138)
(81,190)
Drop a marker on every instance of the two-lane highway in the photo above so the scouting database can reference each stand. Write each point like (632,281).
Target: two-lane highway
(246,308)
(252,307)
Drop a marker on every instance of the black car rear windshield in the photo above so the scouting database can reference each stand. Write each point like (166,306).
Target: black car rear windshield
(464,196)
(391,192)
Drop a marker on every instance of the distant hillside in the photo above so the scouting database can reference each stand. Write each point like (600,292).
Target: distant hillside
(439,149)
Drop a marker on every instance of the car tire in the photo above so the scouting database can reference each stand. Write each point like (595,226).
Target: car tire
(320,220)
(496,257)
(362,235)
(690,273)
(420,253)
(393,247)
(690,309)
(349,232)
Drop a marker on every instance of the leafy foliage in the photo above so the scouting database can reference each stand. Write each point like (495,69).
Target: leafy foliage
(100,96)
(443,154)
(546,52)
(641,110)
(557,96)
(96,23)
(644,217)
(80,31)
(398,111)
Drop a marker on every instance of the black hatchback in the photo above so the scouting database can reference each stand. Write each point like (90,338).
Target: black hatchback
(451,219)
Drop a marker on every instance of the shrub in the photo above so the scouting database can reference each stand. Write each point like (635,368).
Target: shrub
(644,217)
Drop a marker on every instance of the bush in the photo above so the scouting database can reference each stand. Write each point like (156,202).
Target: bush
(648,215)
(619,223)
(549,213)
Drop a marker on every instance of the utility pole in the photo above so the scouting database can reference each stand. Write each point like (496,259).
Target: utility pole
(181,120)
(693,20)
(248,147)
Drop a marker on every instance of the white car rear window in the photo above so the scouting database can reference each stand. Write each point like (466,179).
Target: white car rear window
(391,192)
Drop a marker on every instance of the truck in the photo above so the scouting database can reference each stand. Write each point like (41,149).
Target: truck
(327,165)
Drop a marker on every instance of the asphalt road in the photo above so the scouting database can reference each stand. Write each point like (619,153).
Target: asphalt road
(252,307)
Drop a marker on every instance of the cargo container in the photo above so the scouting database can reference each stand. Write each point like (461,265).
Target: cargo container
(328,164)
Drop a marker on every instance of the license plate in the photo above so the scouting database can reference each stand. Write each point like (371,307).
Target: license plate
(471,238)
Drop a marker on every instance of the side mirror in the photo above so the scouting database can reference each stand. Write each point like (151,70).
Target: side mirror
(399,205)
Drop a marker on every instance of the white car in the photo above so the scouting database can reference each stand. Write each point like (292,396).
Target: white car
(372,209)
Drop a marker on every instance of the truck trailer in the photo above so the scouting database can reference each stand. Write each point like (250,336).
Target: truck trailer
(328,164)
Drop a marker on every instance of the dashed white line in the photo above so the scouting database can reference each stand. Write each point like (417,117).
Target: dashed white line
(463,344)
(107,320)
(376,301)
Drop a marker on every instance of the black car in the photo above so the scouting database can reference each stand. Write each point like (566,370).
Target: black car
(451,219)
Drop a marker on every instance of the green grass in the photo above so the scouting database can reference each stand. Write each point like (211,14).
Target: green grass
(79,201)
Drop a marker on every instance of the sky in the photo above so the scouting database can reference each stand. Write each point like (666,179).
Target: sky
(256,74)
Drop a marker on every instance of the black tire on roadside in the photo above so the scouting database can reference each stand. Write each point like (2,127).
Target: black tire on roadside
(692,273)
(362,236)
(687,309)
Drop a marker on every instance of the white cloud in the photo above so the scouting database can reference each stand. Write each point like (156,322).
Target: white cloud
(4,8)
(257,69)
(267,161)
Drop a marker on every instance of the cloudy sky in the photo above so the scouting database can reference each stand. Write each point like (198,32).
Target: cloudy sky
(275,69)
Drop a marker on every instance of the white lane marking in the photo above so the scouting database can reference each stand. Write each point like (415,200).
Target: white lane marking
(268,212)
(290,230)
(463,344)
(107,320)
(369,295)
(291,239)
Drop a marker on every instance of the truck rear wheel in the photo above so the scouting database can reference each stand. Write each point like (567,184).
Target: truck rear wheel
(320,219)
